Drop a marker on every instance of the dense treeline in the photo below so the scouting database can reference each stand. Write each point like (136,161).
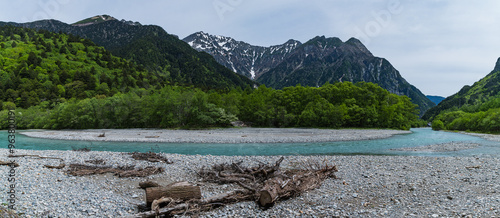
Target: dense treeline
(331,106)
(39,66)
(480,117)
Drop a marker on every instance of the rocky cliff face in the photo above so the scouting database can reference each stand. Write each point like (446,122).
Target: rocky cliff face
(313,63)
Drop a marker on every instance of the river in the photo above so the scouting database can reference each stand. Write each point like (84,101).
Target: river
(390,146)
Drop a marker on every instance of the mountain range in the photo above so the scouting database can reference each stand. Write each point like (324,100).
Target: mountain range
(210,62)
(313,63)
(151,47)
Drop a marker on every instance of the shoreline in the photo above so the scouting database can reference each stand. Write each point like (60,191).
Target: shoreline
(367,186)
(231,135)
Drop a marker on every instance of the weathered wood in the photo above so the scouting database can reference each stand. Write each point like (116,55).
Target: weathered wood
(61,165)
(148,184)
(265,184)
(7,163)
(205,204)
(175,191)
(285,186)
(35,156)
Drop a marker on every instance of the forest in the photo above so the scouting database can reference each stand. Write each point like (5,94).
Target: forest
(59,81)
(361,105)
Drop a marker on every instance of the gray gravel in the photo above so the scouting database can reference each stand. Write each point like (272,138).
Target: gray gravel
(230,135)
(368,186)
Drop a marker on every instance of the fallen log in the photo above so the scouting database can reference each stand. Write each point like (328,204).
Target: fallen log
(148,184)
(179,191)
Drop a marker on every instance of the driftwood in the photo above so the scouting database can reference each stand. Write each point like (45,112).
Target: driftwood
(60,166)
(151,157)
(35,156)
(265,184)
(194,206)
(148,184)
(127,171)
(6,163)
(179,191)
(291,184)
(96,161)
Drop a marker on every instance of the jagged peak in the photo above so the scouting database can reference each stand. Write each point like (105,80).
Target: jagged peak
(497,66)
(324,41)
(94,20)
(358,44)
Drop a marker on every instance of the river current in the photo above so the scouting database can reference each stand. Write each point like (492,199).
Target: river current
(396,145)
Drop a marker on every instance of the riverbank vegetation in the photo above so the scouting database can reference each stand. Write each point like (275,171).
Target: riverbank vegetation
(330,106)
(480,117)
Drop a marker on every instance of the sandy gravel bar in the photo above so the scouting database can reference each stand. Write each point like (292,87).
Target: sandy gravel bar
(231,135)
(490,137)
(368,186)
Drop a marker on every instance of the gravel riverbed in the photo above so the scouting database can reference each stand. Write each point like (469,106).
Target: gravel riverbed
(229,135)
(368,186)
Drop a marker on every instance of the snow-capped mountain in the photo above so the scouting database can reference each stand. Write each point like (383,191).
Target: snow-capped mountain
(312,63)
(241,57)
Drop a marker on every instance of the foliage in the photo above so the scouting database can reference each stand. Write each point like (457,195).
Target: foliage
(330,106)
(481,117)
(156,51)
(39,66)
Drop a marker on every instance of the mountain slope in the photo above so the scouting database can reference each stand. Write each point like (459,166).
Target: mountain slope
(153,48)
(480,92)
(313,63)
(40,66)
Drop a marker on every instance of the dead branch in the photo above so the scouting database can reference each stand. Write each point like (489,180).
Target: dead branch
(96,161)
(61,165)
(35,156)
(5,163)
(123,171)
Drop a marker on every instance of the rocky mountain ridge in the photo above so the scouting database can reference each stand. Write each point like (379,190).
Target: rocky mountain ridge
(314,63)
(241,57)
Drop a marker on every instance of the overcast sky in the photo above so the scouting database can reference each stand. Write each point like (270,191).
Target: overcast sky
(437,45)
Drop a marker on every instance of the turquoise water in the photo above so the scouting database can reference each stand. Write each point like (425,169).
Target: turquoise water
(418,137)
